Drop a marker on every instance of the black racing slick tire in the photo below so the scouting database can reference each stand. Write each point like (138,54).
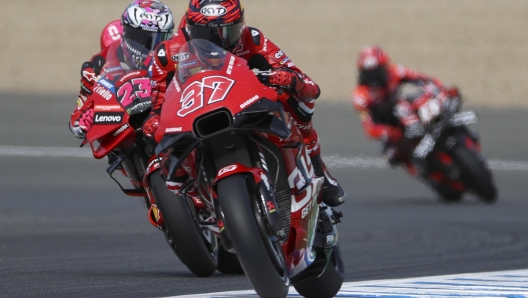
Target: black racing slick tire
(328,283)
(475,174)
(261,257)
(228,262)
(447,194)
(188,241)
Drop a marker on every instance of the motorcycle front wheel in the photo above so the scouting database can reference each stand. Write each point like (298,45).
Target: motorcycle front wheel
(259,253)
(475,174)
(328,283)
(187,239)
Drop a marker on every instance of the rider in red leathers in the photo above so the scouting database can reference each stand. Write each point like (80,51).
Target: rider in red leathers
(223,24)
(373,98)
(140,35)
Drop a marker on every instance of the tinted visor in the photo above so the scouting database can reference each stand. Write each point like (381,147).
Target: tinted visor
(147,39)
(376,77)
(221,36)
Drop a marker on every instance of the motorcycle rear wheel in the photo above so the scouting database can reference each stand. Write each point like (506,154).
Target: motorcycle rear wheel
(328,283)
(475,174)
(188,240)
(260,256)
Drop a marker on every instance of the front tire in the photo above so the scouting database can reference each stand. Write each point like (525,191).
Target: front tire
(187,238)
(329,283)
(263,264)
(475,174)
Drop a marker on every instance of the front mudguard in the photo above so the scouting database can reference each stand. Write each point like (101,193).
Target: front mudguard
(264,188)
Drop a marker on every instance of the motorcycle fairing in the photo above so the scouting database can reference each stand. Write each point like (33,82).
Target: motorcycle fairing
(206,92)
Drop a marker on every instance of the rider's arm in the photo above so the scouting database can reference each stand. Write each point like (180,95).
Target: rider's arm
(307,89)
(406,74)
(361,101)
(163,69)
(83,113)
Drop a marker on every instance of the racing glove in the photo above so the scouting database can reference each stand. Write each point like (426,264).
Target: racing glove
(81,126)
(150,125)
(88,77)
(77,131)
(287,79)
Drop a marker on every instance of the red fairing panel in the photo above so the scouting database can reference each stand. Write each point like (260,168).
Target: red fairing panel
(207,91)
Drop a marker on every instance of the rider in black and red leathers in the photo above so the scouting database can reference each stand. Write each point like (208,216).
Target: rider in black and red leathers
(138,35)
(223,23)
(373,97)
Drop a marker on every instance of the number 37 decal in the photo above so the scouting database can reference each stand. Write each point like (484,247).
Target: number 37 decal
(211,89)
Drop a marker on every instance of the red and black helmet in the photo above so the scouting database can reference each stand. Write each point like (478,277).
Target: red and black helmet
(220,22)
(372,65)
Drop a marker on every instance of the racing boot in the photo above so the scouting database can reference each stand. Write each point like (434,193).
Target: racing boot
(333,193)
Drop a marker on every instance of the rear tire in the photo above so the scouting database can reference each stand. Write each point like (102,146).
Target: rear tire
(475,174)
(329,283)
(188,241)
(263,264)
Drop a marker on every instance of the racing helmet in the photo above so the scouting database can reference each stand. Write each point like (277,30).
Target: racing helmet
(111,33)
(372,64)
(146,23)
(220,22)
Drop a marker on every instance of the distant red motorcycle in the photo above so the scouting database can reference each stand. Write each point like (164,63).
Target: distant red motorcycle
(447,155)
(121,103)
(248,162)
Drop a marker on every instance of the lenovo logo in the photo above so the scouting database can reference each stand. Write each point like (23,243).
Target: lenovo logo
(108,118)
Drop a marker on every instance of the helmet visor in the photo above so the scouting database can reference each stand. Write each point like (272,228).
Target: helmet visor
(222,36)
(376,77)
(148,40)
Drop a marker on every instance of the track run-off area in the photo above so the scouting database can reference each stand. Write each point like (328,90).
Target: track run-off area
(501,284)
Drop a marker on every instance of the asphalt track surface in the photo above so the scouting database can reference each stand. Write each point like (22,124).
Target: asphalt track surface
(66,230)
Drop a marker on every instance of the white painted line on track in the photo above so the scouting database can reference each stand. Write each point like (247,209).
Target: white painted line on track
(45,151)
(337,161)
(500,284)
(332,161)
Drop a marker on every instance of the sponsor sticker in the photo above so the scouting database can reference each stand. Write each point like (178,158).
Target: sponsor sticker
(103,92)
(249,101)
(227,169)
(180,57)
(107,108)
(120,130)
(213,10)
(106,84)
(173,129)
(108,118)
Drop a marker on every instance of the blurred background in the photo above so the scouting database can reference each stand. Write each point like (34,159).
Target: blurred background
(479,45)
(66,229)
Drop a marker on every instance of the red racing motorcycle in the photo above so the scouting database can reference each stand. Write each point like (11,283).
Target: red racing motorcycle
(121,103)
(248,162)
(445,152)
